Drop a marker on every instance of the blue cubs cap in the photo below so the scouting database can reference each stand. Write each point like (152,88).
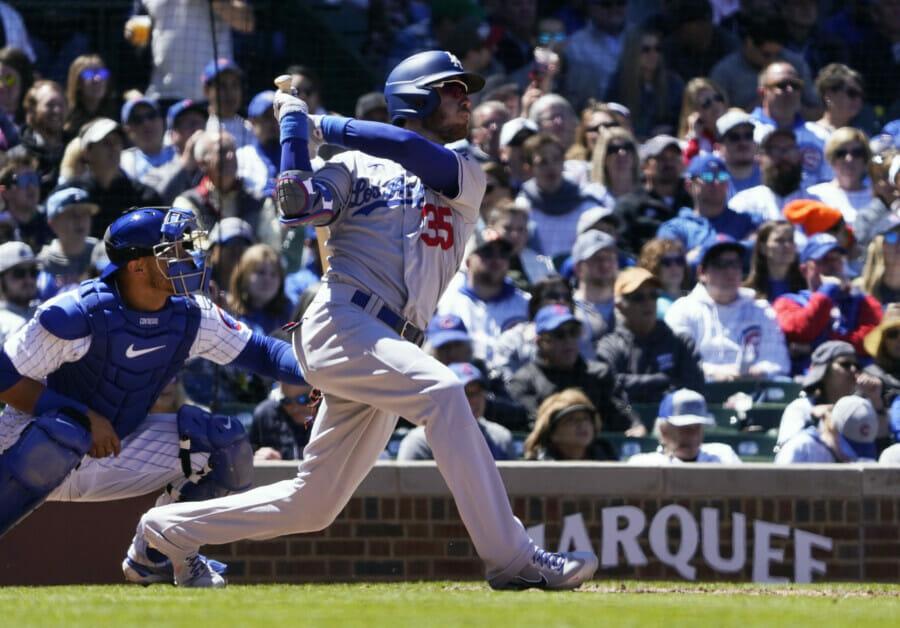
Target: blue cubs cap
(60,200)
(217,66)
(129,106)
(184,105)
(719,242)
(820,245)
(467,372)
(684,407)
(260,103)
(444,328)
(855,420)
(705,162)
(550,317)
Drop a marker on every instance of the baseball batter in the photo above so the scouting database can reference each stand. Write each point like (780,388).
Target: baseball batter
(400,208)
(81,376)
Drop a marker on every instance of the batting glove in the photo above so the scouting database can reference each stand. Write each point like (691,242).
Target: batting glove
(285,103)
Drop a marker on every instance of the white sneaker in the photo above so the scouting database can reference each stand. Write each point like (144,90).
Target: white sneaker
(552,571)
(139,568)
(196,572)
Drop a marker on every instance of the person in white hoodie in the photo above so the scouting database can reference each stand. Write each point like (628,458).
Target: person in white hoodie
(736,334)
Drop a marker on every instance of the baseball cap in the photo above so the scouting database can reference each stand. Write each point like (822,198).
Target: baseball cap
(886,224)
(550,317)
(444,328)
(764,134)
(592,216)
(511,133)
(821,357)
(813,215)
(260,103)
(467,372)
(230,228)
(129,106)
(820,245)
(855,420)
(732,119)
(632,278)
(684,407)
(67,197)
(657,144)
(556,417)
(14,253)
(720,241)
(216,67)
(890,456)
(704,162)
(620,109)
(368,102)
(890,320)
(182,106)
(590,242)
(485,238)
(98,129)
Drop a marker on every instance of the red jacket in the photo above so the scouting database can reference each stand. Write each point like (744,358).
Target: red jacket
(806,323)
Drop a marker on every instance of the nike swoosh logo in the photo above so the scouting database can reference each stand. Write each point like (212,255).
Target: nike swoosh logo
(131,352)
(542,581)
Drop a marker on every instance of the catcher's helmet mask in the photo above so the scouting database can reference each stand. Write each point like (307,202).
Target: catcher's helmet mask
(411,88)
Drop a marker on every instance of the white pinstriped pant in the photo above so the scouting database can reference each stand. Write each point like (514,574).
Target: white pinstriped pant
(370,376)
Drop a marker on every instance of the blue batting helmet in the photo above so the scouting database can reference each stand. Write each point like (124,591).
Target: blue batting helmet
(171,235)
(408,89)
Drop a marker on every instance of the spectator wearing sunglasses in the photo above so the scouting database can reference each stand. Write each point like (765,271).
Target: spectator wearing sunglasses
(557,365)
(18,286)
(830,308)
(647,357)
(665,258)
(280,427)
(706,180)
(841,90)
(780,86)
(566,429)
(89,93)
(847,151)
(702,103)
(483,296)
(145,130)
(20,191)
(737,335)
(881,274)
(737,148)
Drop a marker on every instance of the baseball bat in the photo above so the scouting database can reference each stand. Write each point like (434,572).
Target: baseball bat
(283,83)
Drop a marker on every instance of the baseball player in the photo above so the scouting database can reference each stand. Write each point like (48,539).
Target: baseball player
(80,377)
(400,208)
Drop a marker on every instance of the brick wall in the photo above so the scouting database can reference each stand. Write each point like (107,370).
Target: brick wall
(403,525)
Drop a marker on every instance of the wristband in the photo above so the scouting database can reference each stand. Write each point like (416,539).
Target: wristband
(294,126)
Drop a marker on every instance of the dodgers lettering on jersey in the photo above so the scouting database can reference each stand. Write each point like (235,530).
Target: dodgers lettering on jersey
(399,239)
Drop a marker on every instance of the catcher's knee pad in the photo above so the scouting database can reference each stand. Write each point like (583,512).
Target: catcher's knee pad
(46,452)
(230,465)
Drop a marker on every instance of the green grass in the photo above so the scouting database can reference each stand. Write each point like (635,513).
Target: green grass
(454,604)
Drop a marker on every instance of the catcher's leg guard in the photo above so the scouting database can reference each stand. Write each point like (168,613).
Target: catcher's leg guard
(230,465)
(47,451)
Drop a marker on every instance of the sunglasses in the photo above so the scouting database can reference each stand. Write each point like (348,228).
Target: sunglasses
(90,74)
(25,179)
(714,177)
(892,334)
(137,118)
(301,400)
(21,273)
(9,81)
(612,149)
(707,102)
(453,89)
(848,365)
(786,84)
(643,296)
(547,38)
(565,333)
(728,263)
(672,261)
(603,125)
(746,136)
(856,153)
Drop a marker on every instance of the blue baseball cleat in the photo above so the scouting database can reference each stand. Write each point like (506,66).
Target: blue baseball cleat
(140,568)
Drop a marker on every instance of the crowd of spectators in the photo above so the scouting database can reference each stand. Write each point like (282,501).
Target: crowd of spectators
(680,194)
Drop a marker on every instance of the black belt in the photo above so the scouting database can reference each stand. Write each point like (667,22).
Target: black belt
(386,315)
